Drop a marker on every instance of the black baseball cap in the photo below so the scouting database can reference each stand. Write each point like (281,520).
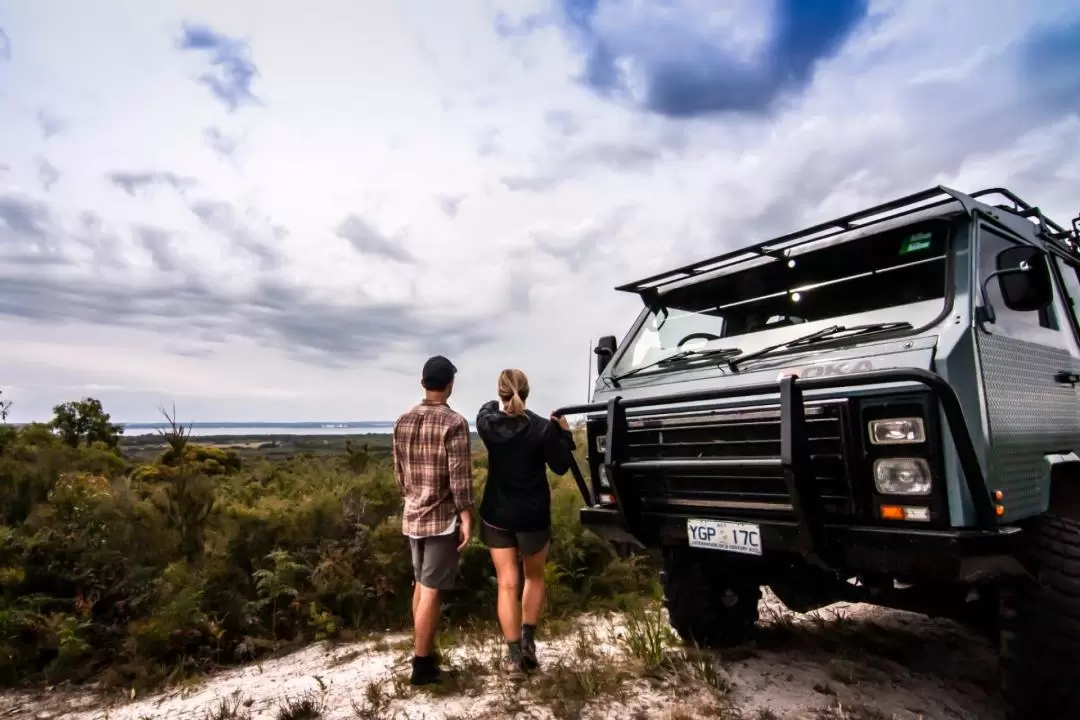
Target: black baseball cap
(438,373)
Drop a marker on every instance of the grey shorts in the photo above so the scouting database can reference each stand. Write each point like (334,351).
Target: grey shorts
(527,543)
(435,560)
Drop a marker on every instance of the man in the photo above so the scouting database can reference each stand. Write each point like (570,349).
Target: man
(433,469)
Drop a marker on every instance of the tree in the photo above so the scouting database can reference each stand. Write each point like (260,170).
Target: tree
(85,421)
(189,494)
(357,458)
(5,407)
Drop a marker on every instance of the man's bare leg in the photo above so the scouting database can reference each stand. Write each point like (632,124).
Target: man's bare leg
(425,619)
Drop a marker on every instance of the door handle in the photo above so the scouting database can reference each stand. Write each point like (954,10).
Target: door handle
(1067,377)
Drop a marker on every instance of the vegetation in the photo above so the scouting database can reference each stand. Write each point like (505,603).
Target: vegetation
(136,567)
(609,667)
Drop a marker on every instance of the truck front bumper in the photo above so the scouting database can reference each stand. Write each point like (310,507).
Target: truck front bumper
(950,556)
(980,552)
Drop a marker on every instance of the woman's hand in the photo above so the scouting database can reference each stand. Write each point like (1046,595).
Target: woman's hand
(560,421)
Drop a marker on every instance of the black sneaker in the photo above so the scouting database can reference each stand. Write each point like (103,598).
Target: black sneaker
(514,665)
(425,671)
(513,668)
(528,656)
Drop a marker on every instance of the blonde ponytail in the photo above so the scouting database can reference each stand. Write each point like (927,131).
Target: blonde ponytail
(513,391)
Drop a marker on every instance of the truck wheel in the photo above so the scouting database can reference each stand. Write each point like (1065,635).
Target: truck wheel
(708,604)
(1040,627)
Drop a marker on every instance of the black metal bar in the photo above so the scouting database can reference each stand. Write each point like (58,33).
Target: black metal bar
(700,463)
(582,486)
(615,432)
(840,225)
(950,406)
(795,459)
(752,406)
(615,452)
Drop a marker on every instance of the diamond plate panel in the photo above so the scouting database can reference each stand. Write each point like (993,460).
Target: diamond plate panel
(1029,414)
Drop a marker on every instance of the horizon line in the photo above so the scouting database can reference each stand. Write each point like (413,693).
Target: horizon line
(238,423)
(260,423)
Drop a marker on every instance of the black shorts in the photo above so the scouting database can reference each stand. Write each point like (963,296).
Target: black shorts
(527,543)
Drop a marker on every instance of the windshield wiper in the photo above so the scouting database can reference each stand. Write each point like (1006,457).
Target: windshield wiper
(676,357)
(819,336)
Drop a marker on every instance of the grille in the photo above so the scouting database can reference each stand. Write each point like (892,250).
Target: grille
(739,454)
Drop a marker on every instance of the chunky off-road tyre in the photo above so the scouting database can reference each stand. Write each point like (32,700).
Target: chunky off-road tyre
(1040,628)
(708,605)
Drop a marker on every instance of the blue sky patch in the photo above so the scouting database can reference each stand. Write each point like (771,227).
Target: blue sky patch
(232,71)
(690,72)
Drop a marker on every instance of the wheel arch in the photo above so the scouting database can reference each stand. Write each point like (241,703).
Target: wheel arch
(1060,485)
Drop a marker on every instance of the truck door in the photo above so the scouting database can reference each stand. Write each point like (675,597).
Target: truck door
(1031,407)
(1068,274)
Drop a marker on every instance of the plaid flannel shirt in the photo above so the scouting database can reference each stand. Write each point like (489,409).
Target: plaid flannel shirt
(433,468)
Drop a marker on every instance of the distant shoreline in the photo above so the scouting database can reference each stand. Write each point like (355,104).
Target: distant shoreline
(267,430)
(266,443)
(324,425)
(328,424)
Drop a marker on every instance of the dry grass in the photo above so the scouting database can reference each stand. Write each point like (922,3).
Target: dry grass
(378,695)
(844,671)
(592,668)
(565,687)
(234,707)
(309,706)
(345,658)
(692,711)
(586,675)
(852,711)
(375,703)
(632,666)
(648,637)
(701,668)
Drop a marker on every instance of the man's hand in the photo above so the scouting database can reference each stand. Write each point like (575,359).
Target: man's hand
(465,529)
(561,421)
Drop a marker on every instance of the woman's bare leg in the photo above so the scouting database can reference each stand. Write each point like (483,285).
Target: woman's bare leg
(532,599)
(506,572)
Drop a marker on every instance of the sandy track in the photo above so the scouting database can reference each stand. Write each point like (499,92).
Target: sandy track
(847,661)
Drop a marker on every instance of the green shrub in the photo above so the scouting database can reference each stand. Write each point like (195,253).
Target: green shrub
(136,573)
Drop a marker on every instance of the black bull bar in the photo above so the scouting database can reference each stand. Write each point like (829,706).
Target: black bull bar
(794,455)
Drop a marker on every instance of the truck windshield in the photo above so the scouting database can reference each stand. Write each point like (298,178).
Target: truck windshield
(893,276)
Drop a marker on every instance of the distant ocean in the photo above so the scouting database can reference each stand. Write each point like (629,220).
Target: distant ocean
(271,428)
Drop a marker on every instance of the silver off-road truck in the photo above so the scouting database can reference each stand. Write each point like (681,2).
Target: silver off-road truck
(882,408)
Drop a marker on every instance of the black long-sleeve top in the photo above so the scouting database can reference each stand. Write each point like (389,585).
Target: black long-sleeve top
(520,447)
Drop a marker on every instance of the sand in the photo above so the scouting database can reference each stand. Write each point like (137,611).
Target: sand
(846,661)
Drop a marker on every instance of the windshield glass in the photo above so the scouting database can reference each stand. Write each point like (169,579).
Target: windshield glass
(894,276)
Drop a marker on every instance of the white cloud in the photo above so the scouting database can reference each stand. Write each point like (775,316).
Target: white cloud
(499,197)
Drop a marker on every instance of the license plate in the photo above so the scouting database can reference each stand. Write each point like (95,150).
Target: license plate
(744,538)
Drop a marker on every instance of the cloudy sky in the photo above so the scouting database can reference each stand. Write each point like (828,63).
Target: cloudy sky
(277,210)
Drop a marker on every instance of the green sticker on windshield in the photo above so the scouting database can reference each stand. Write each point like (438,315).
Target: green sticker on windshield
(918,241)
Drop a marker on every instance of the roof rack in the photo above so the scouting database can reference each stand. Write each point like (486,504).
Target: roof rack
(918,202)
(1065,239)
(1021,208)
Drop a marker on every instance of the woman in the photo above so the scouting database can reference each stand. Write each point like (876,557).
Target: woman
(515,512)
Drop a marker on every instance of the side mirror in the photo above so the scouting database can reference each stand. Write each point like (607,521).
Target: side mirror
(1023,279)
(605,350)
(1027,287)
